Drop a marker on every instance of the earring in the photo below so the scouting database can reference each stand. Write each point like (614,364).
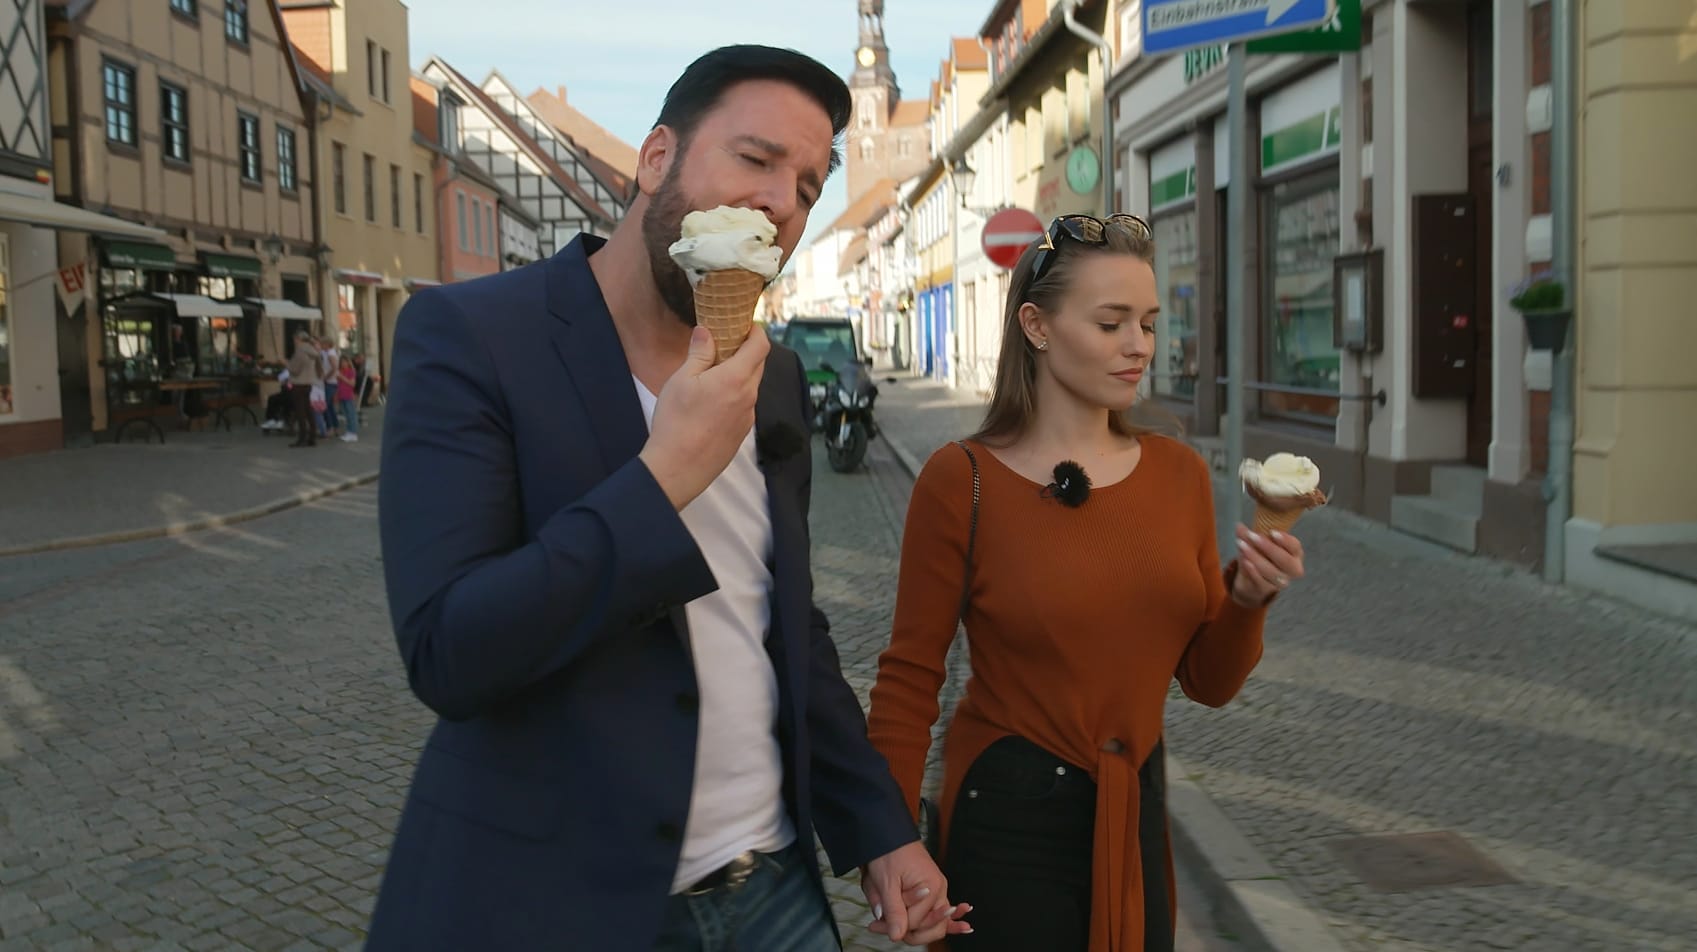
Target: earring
(1042,345)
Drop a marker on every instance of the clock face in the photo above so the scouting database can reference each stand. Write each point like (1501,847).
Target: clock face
(866,56)
(1083,170)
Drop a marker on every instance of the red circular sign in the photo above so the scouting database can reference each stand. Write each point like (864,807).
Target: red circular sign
(1008,233)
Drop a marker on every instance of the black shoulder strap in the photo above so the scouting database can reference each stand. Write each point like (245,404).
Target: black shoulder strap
(972,531)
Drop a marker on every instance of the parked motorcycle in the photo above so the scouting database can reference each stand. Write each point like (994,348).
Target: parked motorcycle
(844,414)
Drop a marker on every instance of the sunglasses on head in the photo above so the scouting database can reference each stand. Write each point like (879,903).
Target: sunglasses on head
(1085,229)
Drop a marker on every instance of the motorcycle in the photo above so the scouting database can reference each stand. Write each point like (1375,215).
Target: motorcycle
(843,413)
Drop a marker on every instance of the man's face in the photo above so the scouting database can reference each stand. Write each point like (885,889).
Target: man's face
(766,145)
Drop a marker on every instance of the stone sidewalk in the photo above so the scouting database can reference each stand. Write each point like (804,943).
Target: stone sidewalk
(134,490)
(1441,753)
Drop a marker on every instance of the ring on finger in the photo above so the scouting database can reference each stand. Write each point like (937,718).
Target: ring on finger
(1279,581)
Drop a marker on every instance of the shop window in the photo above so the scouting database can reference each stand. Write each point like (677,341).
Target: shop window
(1176,330)
(1296,331)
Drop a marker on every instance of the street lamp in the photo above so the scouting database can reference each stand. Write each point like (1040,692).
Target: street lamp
(963,176)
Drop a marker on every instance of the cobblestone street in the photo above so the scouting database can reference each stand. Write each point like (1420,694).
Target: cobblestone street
(1407,690)
(205,740)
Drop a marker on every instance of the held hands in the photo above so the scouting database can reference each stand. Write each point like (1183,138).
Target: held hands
(1265,566)
(703,414)
(909,897)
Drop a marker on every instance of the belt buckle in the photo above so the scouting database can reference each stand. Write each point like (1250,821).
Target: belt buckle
(729,877)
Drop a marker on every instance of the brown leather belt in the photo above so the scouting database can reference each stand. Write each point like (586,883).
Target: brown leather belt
(729,877)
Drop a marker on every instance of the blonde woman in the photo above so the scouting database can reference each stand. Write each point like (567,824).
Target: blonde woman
(1093,580)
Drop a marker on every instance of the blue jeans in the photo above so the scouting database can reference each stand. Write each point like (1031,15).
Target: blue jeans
(350,416)
(781,908)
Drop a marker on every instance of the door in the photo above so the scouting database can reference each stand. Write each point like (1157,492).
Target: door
(1481,184)
(76,404)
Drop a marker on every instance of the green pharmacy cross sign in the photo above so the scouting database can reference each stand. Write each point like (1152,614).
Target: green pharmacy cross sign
(1342,34)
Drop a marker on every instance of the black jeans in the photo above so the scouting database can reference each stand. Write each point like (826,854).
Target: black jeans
(1020,851)
(305,424)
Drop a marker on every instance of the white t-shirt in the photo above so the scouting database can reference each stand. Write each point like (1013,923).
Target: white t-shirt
(737,801)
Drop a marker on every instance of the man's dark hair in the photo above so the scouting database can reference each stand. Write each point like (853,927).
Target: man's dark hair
(703,84)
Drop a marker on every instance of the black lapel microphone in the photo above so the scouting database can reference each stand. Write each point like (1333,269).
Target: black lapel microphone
(1071,485)
(777,442)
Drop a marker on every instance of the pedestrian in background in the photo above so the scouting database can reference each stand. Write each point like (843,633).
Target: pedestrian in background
(1093,580)
(305,365)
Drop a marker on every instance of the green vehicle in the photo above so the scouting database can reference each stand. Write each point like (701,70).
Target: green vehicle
(839,383)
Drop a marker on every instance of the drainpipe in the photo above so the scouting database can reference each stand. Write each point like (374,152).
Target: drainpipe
(1070,15)
(1558,479)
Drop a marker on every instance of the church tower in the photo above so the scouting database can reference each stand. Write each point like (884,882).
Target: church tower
(875,96)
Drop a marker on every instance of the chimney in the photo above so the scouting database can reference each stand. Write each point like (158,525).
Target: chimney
(560,91)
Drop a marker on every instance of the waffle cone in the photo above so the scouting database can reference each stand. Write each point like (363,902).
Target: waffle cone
(1280,513)
(724,304)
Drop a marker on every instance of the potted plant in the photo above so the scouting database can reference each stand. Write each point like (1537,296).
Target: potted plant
(1542,301)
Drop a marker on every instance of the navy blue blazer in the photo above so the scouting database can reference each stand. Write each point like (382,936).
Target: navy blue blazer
(537,575)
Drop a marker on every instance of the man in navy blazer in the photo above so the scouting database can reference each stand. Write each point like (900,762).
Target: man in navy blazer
(595,544)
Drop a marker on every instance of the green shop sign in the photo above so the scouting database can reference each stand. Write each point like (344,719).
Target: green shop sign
(1311,137)
(1342,34)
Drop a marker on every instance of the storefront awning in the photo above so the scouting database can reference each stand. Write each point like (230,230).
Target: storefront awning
(413,284)
(350,276)
(199,305)
(136,254)
(285,310)
(230,266)
(46,213)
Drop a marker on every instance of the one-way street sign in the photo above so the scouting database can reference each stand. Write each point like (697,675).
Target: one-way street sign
(1173,25)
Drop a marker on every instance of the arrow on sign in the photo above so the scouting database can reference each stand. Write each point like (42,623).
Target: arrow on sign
(1185,13)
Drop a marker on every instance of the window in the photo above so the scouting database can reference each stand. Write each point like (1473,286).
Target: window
(5,326)
(370,188)
(489,229)
(867,147)
(247,140)
(395,195)
(174,121)
(184,7)
(1297,348)
(1175,362)
(905,147)
(386,76)
(418,202)
(339,175)
(371,68)
(120,85)
(477,225)
(235,20)
(460,207)
(287,179)
(449,117)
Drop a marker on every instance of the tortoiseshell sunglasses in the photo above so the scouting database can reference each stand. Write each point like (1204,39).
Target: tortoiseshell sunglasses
(1086,229)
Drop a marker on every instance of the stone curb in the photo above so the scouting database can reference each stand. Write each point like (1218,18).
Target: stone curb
(193,525)
(1247,896)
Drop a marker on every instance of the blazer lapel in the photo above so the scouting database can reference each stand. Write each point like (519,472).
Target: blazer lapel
(586,342)
(588,345)
(792,586)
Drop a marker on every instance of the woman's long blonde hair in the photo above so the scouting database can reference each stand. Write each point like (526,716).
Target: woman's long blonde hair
(1013,403)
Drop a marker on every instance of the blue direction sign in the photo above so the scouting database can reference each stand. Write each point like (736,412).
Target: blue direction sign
(1173,25)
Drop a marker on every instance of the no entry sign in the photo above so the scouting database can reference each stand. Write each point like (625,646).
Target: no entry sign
(1008,233)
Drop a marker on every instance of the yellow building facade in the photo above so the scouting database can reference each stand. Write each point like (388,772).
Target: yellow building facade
(377,206)
(1634,525)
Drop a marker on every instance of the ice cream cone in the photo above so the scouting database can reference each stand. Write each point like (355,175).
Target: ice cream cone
(1280,513)
(724,304)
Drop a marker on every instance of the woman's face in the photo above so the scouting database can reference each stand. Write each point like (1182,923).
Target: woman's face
(1102,336)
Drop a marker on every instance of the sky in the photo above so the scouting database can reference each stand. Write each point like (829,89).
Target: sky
(617,58)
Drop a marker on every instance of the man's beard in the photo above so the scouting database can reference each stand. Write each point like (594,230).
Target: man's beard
(662,224)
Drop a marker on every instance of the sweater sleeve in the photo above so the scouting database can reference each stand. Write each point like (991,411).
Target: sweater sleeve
(1227,646)
(912,669)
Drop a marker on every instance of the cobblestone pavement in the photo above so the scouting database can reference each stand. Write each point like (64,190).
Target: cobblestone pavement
(205,740)
(1407,689)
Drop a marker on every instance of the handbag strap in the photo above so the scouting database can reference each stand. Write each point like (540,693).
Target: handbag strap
(972,531)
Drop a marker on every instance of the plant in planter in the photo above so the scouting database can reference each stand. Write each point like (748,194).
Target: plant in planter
(1542,301)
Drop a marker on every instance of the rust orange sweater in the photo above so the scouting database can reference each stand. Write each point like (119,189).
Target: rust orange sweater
(1079,620)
